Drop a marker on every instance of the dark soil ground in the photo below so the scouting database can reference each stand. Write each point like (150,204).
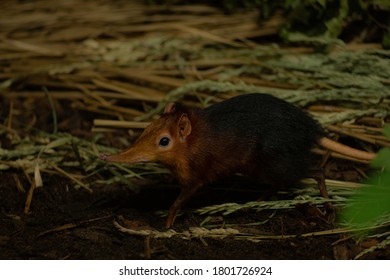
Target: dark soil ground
(65,223)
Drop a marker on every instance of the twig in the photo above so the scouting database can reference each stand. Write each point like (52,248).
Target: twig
(66,174)
(71,225)
(120,124)
(29,198)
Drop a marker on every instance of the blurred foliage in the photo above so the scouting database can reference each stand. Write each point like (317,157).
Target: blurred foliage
(319,22)
(370,206)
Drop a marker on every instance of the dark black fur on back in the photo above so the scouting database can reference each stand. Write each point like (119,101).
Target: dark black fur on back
(270,138)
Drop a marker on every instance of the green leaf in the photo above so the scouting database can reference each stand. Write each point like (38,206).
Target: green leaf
(386,131)
(335,25)
(322,3)
(382,159)
(382,3)
(370,204)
